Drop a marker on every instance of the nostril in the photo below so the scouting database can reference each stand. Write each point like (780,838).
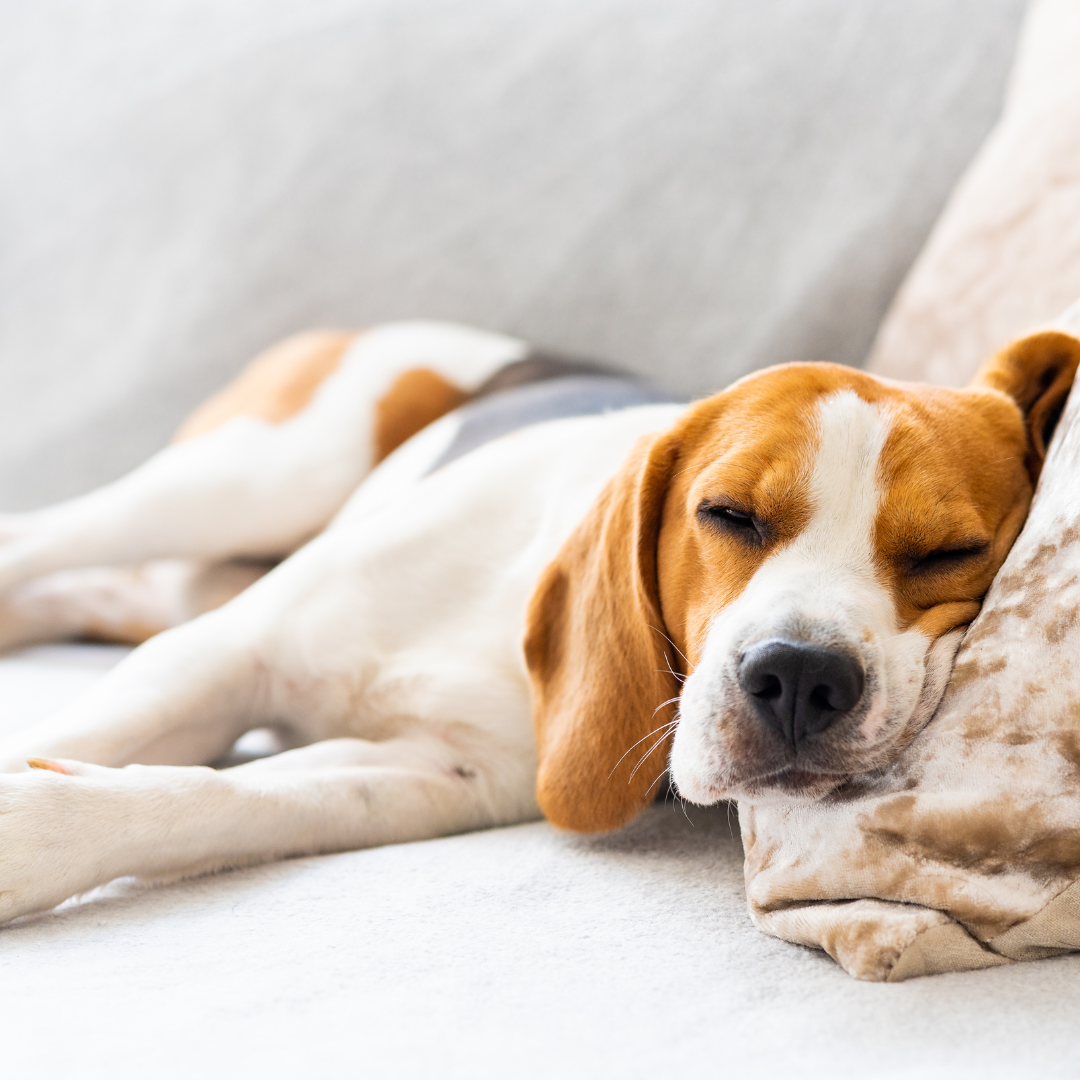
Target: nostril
(771,688)
(819,698)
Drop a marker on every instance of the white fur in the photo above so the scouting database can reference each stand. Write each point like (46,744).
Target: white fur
(387,651)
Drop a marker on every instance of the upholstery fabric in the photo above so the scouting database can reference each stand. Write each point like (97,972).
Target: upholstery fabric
(521,952)
(1005,256)
(691,187)
(965,852)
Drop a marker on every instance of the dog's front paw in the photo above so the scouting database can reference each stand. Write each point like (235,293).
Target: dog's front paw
(52,845)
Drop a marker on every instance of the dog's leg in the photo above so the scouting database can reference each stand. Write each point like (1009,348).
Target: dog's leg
(251,479)
(294,652)
(67,827)
(182,698)
(122,605)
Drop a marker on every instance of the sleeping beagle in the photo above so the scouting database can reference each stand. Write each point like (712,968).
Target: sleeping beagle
(505,584)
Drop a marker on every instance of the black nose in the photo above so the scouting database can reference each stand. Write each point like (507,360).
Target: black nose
(799,689)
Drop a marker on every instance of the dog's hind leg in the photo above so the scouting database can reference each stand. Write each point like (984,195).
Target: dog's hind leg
(265,465)
(65,834)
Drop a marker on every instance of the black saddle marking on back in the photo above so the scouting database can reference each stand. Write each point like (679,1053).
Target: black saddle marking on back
(542,387)
(540,365)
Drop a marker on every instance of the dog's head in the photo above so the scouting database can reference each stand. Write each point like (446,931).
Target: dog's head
(768,597)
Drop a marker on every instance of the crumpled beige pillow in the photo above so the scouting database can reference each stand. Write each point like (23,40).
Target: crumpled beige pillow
(965,853)
(1005,255)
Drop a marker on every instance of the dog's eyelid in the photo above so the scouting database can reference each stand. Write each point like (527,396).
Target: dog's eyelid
(949,554)
(726,508)
(733,518)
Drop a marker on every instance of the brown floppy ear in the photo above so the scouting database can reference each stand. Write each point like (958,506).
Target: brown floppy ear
(1037,373)
(598,655)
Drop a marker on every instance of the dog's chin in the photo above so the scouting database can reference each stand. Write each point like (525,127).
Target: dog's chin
(798,782)
(790,785)
(787,785)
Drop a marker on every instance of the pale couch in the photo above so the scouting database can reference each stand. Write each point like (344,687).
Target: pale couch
(694,189)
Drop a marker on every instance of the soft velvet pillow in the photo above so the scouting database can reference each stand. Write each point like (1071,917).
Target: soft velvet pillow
(965,853)
(1005,255)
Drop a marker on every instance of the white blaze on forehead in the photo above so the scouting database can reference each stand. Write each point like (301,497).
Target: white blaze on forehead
(844,486)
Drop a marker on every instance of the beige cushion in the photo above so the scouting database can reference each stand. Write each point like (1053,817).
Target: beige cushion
(1005,255)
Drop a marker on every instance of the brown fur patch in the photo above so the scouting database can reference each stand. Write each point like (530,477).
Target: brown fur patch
(749,448)
(275,386)
(953,470)
(415,399)
(595,649)
(1037,372)
(958,481)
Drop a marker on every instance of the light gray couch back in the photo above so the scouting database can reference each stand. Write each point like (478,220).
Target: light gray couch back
(694,188)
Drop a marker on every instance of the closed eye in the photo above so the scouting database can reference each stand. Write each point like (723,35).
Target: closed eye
(945,559)
(732,520)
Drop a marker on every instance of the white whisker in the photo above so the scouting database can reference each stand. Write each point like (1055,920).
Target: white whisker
(659,777)
(640,741)
(674,646)
(680,800)
(671,671)
(661,705)
(663,736)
